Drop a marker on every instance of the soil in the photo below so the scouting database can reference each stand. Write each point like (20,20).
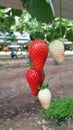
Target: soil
(19,109)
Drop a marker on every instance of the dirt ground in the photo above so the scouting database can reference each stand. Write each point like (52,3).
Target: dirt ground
(19,109)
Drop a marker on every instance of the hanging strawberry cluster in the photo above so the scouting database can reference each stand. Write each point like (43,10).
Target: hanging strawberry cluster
(38,52)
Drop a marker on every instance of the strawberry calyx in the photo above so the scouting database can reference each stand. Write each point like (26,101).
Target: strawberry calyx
(44,86)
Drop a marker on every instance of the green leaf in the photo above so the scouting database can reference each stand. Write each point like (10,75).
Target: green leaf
(1,7)
(40,10)
(16,12)
(69,35)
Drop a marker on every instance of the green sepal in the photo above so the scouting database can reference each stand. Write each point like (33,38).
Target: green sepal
(44,86)
(69,35)
(37,35)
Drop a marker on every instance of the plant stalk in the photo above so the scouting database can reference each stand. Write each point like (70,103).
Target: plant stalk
(60,2)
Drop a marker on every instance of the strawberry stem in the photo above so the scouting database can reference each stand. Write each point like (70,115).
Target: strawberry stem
(60,17)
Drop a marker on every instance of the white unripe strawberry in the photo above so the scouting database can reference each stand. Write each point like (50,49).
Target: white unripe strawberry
(56,49)
(44,97)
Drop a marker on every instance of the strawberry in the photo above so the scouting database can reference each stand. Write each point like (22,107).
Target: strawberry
(34,91)
(5,49)
(56,49)
(35,80)
(38,52)
(44,96)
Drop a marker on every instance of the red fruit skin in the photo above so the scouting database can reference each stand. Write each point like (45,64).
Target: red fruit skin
(5,49)
(35,79)
(38,52)
(35,92)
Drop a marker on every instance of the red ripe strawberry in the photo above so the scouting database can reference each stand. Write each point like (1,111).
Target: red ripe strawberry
(5,49)
(35,79)
(38,52)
